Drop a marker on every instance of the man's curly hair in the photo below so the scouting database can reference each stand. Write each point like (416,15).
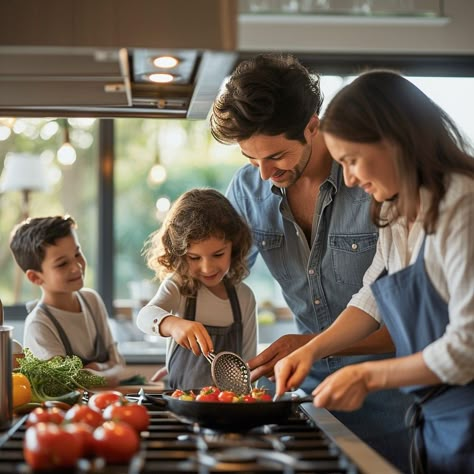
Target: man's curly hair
(270,94)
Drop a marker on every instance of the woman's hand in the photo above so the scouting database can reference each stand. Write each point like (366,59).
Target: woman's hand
(264,363)
(344,390)
(189,334)
(291,370)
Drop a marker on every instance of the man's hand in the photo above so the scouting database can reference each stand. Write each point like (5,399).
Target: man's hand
(264,363)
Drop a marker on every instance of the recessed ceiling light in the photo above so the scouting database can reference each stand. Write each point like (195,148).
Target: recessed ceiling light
(161,77)
(166,62)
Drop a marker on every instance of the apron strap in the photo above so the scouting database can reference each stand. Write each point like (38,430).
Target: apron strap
(101,353)
(414,419)
(235,305)
(59,328)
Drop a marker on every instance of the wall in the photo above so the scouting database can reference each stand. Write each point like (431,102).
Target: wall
(308,33)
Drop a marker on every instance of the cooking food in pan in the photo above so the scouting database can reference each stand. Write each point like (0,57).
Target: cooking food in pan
(213,394)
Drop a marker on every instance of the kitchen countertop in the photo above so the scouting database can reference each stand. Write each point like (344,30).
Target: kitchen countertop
(367,460)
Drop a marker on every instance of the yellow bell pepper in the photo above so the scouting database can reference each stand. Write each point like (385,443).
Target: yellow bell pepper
(21,389)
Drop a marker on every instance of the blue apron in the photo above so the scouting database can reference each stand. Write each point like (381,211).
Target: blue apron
(101,354)
(187,371)
(442,417)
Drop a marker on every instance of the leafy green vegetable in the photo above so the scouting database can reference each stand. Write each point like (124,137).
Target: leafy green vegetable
(57,376)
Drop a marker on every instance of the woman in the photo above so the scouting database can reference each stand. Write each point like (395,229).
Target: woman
(403,150)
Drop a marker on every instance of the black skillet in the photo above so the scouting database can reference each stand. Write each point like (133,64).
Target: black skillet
(228,416)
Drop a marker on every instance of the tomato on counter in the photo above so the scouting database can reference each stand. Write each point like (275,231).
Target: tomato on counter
(45,415)
(49,446)
(116,442)
(101,400)
(84,434)
(135,415)
(84,414)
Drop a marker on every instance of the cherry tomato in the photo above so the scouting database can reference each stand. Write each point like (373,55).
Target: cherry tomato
(207,397)
(247,399)
(45,415)
(85,414)
(116,442)
(101,400)
(177,393)
(209,389)
(49,446)
(133,414)
(227,396)
(82,432)
(260,394)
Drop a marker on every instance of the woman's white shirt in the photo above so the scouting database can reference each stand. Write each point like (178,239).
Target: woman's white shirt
(449,262)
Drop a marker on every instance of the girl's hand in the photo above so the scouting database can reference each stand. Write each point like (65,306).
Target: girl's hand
(189,334)
(344,390)
(291,370)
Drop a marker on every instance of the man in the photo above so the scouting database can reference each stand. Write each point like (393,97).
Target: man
(314,233)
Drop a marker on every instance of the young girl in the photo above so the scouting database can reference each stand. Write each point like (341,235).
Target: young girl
(202,305)
(403,150)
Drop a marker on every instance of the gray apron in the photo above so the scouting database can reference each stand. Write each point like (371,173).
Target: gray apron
(188,371)
(101,353)
(442,417)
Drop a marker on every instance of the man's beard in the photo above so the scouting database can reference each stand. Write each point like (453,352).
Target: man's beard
(295,173)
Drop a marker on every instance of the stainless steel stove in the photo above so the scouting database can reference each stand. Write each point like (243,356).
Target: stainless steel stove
(312,441)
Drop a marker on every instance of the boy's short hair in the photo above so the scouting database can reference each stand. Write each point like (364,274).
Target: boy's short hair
(30,238)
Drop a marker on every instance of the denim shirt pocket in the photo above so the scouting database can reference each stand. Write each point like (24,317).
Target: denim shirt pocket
(351,255)
(272,249)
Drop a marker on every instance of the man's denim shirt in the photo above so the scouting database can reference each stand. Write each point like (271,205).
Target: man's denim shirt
(317,282)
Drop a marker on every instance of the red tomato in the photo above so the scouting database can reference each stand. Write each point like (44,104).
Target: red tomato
(207,397)
(82,432)
(248,399)
(260,394)
(85,414)
(45,415)
(101,400)
(116,442)
(48,446)
(209,389)
(133,414)
(177,393)
(226,396)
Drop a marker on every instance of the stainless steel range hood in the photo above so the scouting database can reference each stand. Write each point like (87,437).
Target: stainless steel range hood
(94,58)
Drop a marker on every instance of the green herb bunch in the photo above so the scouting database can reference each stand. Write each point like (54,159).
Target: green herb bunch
(57,376)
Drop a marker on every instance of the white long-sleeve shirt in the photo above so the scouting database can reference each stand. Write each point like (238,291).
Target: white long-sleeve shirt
(449,262)
(210,310)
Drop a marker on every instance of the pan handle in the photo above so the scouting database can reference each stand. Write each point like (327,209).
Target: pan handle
(299,400)
(157,401)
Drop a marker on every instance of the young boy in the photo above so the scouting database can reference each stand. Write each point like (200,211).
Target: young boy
(68,319)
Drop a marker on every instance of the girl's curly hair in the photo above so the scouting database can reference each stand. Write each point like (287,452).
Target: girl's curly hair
(197,215)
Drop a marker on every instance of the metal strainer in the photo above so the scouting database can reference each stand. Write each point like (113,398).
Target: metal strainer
(230,372)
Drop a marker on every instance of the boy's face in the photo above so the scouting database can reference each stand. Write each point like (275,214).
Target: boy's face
(63,267)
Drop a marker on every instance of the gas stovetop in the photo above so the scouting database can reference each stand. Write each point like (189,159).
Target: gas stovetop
(171,445)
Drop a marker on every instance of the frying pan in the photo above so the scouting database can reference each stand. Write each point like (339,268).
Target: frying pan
(228,416)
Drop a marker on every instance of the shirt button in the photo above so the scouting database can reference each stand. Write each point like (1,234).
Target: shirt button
(317,301)
(311,271)
(263,243)
(354,246)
